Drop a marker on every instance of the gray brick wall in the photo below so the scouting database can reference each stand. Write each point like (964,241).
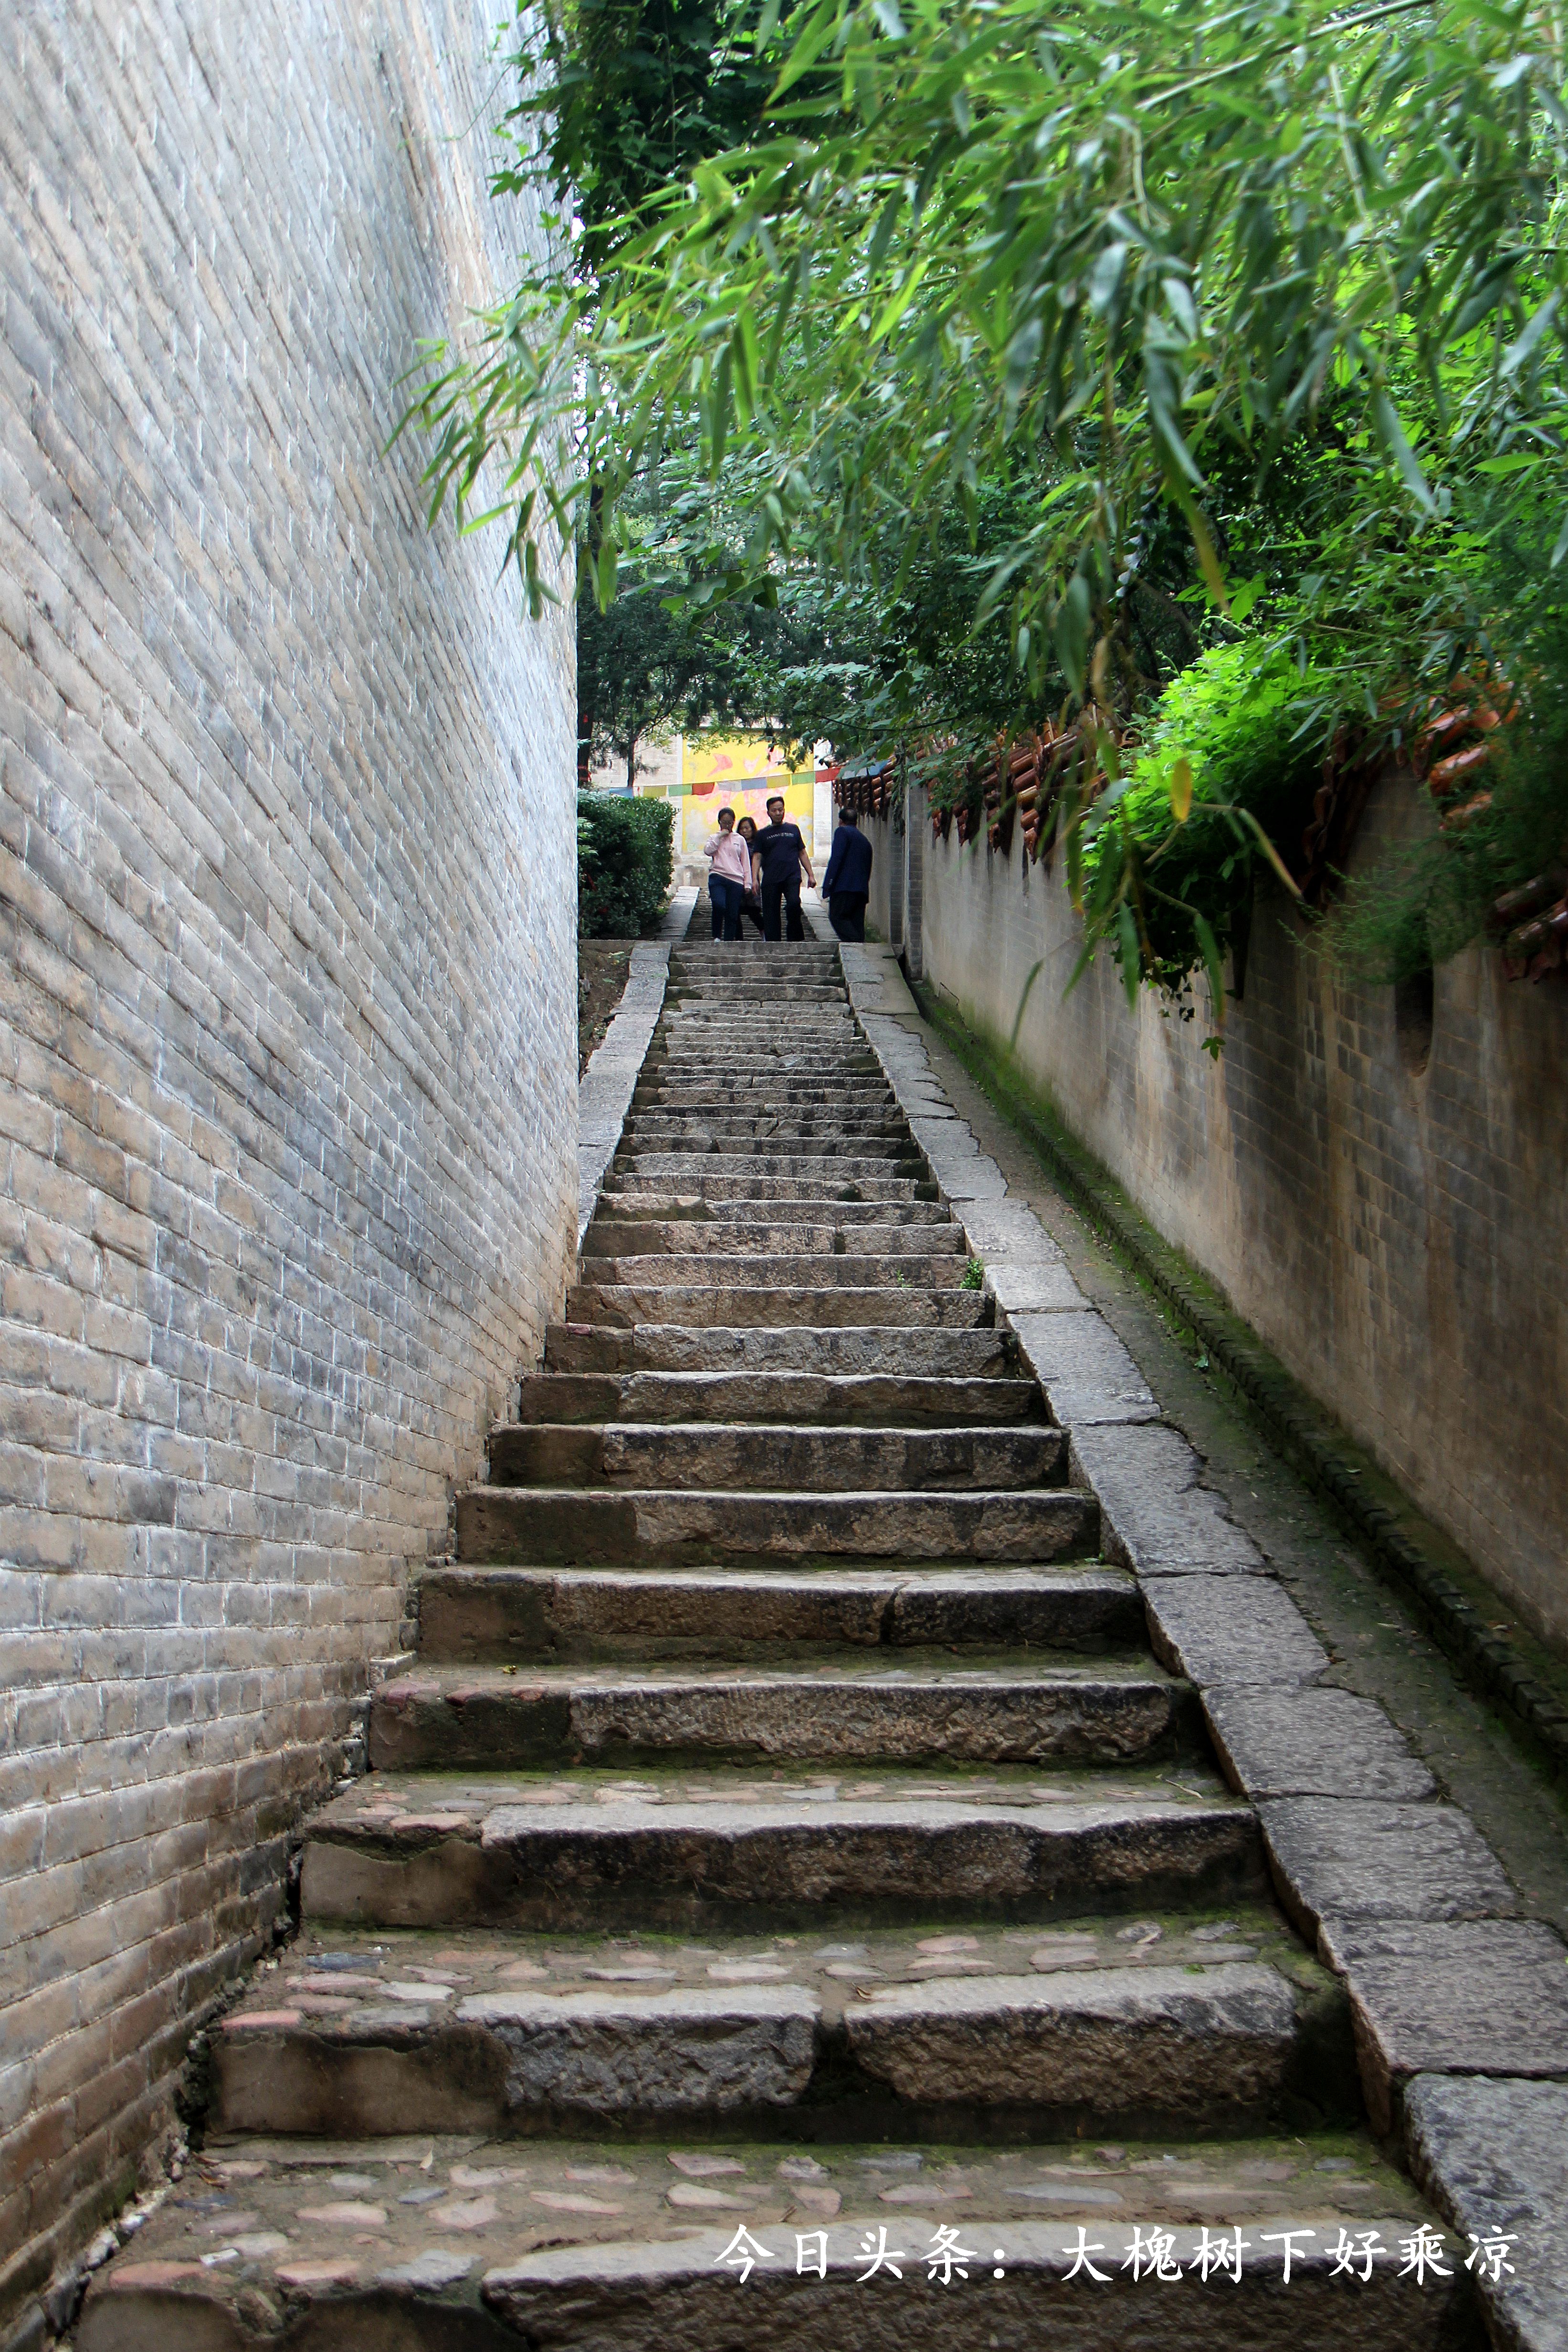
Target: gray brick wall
(1396,1235)
(287,1078)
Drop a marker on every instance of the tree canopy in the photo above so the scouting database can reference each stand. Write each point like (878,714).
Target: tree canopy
(1032,352)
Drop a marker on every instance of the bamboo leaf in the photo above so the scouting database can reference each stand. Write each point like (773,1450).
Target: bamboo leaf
(1395,441)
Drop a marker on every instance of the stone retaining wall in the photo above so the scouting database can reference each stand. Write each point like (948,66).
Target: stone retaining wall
(1381,1200)
(287,1098)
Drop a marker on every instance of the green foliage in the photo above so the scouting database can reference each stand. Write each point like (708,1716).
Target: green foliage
(1433,895)
(955,348)
(1146,240)
(621,97)
(625,856)
(1169,853)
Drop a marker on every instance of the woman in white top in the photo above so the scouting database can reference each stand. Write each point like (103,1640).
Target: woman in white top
(729,876)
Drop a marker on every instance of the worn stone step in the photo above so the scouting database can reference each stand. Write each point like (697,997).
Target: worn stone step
(670,1528)
(583,1852)
(740,1455)
(982,1353)
(798,1400)
(699,1090)
(468,2241)
(476,1614)
(622,1237)
(1138,2046)
(909,1305)
(848,1215)
(773,1130)
(825,1706)
(695,1063)
(796,1172)
(916,1267)
(702,1179)
(766,1154)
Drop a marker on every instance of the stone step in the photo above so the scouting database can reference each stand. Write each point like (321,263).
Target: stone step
(914,1267)
(764,1025)
(703,1090)
(1137,2047)
(693,1212)
(586,1852)
(891,1349)
(797,1172)
(906,1305)
(704,1062)
(740,1455)
(470,1615)
(723,1187)
(681,1130)
(768,1152)
(798,1400)
(620,1237)
(666,1528)
(729,997)
(829,1705)
(466,2242)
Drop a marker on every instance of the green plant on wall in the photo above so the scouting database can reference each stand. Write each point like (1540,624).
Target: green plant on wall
(1164,863)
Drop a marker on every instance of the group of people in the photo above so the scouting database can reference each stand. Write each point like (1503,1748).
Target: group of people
(756,875)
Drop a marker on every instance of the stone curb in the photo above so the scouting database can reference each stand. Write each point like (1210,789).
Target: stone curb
(1490,1666)
(605,1089)
(1384,1884)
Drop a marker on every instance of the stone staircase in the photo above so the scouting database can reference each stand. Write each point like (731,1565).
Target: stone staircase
(784,1828)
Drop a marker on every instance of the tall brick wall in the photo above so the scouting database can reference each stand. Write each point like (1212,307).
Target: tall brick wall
(1396,1234)
(287,1086)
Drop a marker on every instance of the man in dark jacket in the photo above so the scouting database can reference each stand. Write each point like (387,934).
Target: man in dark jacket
(778,858)
(846,885)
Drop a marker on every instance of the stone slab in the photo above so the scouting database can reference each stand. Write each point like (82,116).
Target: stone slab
(1346,1858)
(625,1527)
(470,1614)
(701,2052)
(435,1720)
(1493,2155)
(1311,1743)
(565,1865)
(1006,1229)
(1159,1518)
(775,1456)
(1452,1997)
(970,1180)
(1181,2043)
(1231,1631)
(1083,1368)
(1019,1288)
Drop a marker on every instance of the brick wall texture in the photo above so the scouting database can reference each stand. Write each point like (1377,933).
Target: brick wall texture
(1396,1234)
(287,909)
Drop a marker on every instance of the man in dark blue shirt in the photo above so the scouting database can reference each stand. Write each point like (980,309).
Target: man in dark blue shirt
(779,856)
(846,885)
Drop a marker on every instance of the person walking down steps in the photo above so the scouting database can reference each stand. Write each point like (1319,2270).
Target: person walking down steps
(846,885)
(779,858)
(729,877)
(751,905)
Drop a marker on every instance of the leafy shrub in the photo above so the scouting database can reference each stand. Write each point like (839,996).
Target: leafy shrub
(625,857)
(1170,852)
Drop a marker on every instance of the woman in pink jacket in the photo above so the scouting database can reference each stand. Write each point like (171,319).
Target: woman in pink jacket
(729,877)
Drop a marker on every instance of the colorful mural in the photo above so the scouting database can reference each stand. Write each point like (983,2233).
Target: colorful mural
(736,772)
